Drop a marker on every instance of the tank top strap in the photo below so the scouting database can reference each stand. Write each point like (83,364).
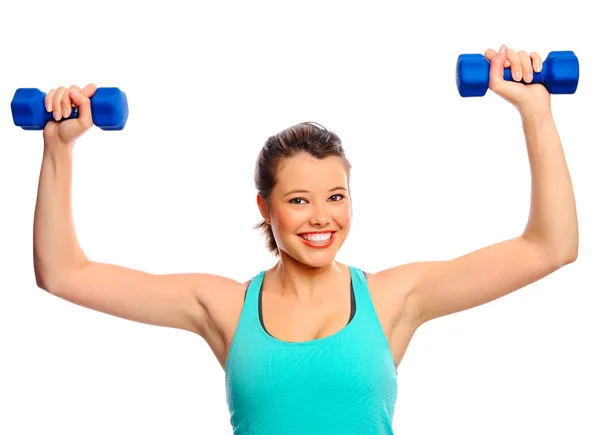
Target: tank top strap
(250,309)
(361,291)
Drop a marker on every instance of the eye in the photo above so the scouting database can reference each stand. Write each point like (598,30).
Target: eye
(293,200)
(337,194)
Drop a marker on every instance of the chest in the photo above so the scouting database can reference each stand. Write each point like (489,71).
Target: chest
(288,321)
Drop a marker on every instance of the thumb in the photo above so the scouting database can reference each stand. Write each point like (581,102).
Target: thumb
(89,90)
(497,70)
(84,106)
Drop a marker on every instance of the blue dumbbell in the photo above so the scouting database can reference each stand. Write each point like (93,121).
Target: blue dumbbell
(109,109)
(560,74)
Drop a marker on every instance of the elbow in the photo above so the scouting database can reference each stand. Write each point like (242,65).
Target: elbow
(556,254)
(569,252)
(563,257)
(55,281)
(42,279)
(570,256)
(46,282)
(43,272)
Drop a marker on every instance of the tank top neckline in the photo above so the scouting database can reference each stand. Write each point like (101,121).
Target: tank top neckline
(336,335)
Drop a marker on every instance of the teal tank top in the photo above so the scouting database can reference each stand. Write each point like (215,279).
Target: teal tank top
(345,383)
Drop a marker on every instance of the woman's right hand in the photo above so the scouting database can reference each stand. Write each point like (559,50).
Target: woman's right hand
(61,102)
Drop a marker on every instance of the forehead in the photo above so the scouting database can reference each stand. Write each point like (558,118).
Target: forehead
(303,170)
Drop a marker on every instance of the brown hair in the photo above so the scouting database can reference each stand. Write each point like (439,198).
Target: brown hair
(308,137)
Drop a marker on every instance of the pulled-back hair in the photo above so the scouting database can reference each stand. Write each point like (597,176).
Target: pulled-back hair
(308,137)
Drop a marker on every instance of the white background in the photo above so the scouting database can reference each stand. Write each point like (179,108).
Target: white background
(435,176)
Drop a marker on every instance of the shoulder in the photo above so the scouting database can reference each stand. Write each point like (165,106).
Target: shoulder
(222,305)
(392,287)
(219,296)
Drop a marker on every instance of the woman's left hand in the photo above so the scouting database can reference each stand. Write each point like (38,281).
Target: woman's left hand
(525,97)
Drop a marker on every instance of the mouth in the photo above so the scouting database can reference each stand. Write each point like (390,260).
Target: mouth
(318,240)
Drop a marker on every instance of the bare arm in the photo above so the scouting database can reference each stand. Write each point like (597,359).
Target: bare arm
(62,268)
(548,242)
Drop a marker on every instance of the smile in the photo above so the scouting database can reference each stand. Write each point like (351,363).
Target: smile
(318,240)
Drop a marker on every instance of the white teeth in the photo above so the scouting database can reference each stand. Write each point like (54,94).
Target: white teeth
(316,237)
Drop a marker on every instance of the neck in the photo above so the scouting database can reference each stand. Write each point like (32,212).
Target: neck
(301,281)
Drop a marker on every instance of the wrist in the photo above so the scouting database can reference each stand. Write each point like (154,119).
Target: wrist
(57,150)
(54,145)
(535,114)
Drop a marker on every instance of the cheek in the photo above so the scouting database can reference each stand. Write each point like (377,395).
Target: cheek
(344,216)
(287,219)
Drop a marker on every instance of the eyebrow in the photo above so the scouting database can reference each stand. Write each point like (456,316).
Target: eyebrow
(306,191)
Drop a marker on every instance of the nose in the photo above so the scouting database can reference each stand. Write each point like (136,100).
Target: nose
(319,216)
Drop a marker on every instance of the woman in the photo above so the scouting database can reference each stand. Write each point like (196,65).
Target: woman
(311,345)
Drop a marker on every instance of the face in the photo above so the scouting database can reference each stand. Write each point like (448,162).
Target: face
(311,196)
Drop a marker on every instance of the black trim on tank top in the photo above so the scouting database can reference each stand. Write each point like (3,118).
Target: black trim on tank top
(352,303)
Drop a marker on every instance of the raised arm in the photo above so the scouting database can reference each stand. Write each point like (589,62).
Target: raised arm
(62,268)
(550,238)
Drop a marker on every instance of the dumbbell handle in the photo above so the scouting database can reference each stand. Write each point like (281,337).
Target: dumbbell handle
(538,77)
(49,116)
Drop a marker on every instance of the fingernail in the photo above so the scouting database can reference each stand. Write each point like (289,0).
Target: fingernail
(56,116)
(65,113)
(518,76)
(528,77)
(502,49)
(48,108)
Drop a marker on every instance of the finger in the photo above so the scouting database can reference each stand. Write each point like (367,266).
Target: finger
(89,90)
(526,65)
(85,111)
(516,70)
(66,104)
(490,53)
(56,103)
(77,88)
(536,59)
(48,100)
(497,69)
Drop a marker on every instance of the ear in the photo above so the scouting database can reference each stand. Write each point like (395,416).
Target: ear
(263,207)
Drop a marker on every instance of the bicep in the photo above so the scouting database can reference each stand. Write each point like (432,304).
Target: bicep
(169,300)
(440,288)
